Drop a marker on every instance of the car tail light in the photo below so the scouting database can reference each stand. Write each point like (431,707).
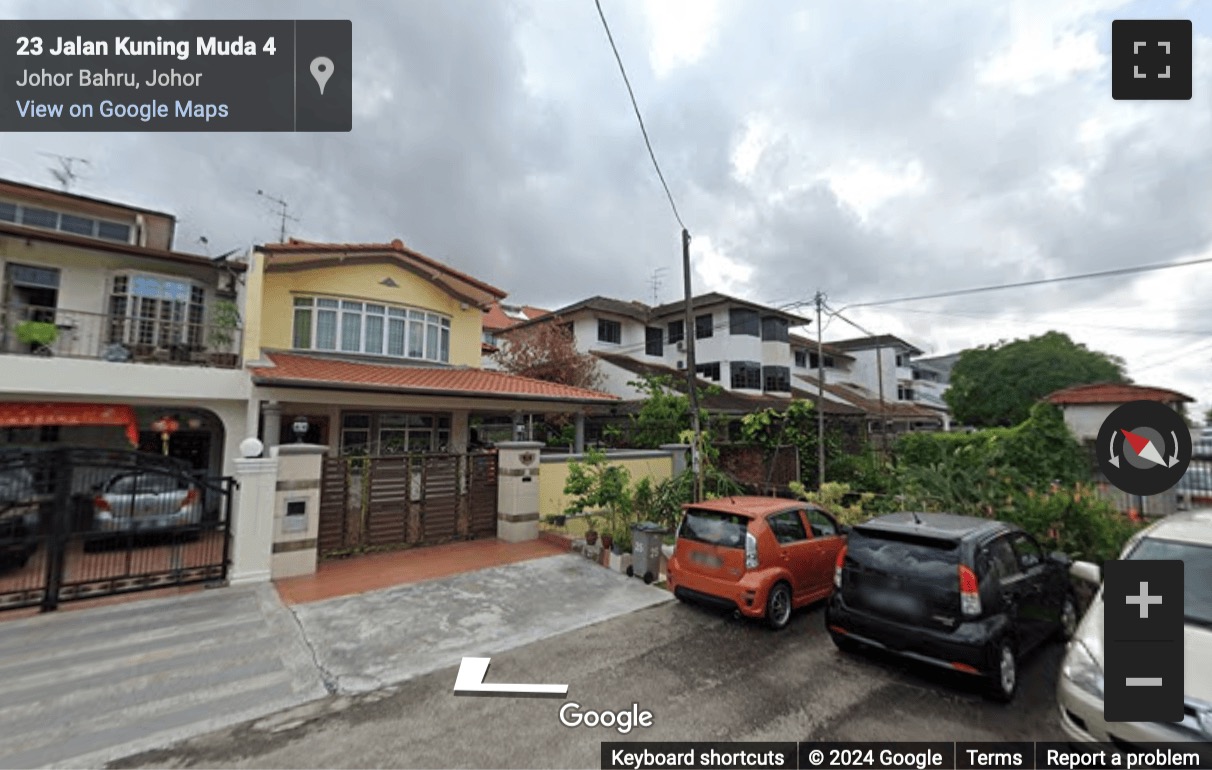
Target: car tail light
(970,592)
(751,553)
(190,498)
(100,503)
(837,567)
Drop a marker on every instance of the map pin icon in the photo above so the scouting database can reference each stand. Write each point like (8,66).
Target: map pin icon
(321,70)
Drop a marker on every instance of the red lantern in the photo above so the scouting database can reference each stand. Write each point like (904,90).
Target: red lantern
(166,427)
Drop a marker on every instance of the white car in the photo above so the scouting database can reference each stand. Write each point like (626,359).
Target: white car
(1186,536)
(146,501)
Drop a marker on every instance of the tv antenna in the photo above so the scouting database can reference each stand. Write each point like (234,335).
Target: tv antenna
(282,207)
(65,174)
(655,281)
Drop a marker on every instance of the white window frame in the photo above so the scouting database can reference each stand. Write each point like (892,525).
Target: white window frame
(354,319)
(126,328)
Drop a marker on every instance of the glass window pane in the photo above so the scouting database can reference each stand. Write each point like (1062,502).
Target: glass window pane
(376,309)
(396,312)
(351,332)
(431,341)
(39,217)
(395,337)
(446,323)
(302,337)
(8,212)
(374,334)
(416,339)
(356,421)
(416,314)
(303,302)
(326,330)
(70,223)
(112,231)
(146,286)
(346,305)
(444,350)
(327,303)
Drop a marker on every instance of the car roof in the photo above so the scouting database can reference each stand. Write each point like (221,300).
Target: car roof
(750,506)
(944,525)
(1187,526)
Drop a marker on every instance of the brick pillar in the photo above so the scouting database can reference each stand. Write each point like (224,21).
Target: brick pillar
(296,519)
(518,490)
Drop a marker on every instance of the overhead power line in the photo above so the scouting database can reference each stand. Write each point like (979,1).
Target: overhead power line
(1063,324)
(635,106)
(1037,282)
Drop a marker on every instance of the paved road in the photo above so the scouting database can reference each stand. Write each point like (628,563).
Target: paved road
(703,675)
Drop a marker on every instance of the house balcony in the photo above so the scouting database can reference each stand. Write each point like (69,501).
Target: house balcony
(63,333)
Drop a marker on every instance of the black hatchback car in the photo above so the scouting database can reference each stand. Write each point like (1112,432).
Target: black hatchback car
(963,593)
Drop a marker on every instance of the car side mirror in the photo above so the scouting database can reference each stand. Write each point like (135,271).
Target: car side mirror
(843,529)
(1061,558)
(1084,570)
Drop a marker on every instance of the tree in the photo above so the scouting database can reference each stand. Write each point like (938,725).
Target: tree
(665,413)
(997,384)
(548,351)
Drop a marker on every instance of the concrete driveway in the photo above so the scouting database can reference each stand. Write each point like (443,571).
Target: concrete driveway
(79,688)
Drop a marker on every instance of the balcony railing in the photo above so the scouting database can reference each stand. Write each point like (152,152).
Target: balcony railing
(165,338)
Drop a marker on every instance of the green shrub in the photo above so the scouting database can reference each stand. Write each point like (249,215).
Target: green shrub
(832,496)
(37,333)
(1075,520)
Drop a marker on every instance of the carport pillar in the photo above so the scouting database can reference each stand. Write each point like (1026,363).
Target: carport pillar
(271,414)
(518,490)
(579,447)
(253,526)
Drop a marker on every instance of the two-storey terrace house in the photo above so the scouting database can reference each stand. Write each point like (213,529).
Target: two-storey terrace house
(378,347)
(106,329)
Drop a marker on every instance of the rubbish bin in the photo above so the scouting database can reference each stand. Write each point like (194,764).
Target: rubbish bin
(646,541)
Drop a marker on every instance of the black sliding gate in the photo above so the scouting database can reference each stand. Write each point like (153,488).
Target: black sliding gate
(84,523)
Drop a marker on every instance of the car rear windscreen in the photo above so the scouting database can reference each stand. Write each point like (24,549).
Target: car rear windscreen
(904,554)
(714,527)
(1197,574)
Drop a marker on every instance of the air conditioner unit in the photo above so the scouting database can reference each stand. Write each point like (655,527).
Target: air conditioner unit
(681,346)
(681,364)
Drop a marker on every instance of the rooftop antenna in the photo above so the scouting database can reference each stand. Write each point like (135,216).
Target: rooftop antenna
(205,243)
(655,282)
(65,174)
(282,206)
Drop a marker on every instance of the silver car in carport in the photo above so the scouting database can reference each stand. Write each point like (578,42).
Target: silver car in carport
(1186,536)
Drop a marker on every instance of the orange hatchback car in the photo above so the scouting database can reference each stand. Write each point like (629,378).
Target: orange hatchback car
(759,556)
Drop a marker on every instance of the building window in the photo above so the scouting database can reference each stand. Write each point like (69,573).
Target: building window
(776,379)
(610,331)
(322,323)
(654,341)
(774,329)
(801,359)
(902,359)
(904,393)
(709,371)
(742,321)
(677,331)
(48,219)
(157,311)
(703,326)
(389,433)
(813,361)
(746,375)
(488,338)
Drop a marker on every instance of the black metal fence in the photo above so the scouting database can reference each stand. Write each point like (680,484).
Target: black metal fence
(82,523)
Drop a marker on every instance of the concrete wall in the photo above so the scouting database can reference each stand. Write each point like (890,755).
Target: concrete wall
(294,543)
(272,324)
(1084,420)
(655,465)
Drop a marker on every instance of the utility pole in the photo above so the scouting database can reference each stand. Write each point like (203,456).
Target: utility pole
(282,206)
(696,462)
(879,373)
(820,395)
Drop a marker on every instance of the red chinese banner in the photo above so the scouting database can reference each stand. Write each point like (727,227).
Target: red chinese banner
(32,415)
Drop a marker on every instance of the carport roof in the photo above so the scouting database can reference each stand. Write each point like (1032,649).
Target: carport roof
(293,370)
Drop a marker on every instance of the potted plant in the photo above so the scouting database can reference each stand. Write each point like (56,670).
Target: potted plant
(224,322)
(39,335)
(556,519)
(608,540)
(591,531)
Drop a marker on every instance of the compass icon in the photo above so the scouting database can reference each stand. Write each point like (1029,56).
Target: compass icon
(1144,447)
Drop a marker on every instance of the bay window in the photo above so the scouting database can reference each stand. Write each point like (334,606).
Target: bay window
(155,310)
(370,328)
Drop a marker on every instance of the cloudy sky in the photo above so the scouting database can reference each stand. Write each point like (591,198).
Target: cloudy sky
(870,150)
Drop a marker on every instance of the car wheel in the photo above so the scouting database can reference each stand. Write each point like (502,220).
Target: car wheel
(1003,682)
(778,606)
(1068,619)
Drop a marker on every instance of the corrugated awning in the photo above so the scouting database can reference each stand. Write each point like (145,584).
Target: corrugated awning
(33,414)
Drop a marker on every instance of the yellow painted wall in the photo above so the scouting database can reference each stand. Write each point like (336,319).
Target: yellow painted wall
(553,476)
(362,282)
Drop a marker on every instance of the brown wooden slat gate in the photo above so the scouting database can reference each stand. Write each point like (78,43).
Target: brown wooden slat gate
(396,501)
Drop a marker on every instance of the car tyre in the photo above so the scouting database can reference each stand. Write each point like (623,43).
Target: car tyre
(1068,619)
(1003,681)
(778,606)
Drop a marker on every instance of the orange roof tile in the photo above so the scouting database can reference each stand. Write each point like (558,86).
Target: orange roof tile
(496,320)
(1116,393)
(296,246)
(299,370)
